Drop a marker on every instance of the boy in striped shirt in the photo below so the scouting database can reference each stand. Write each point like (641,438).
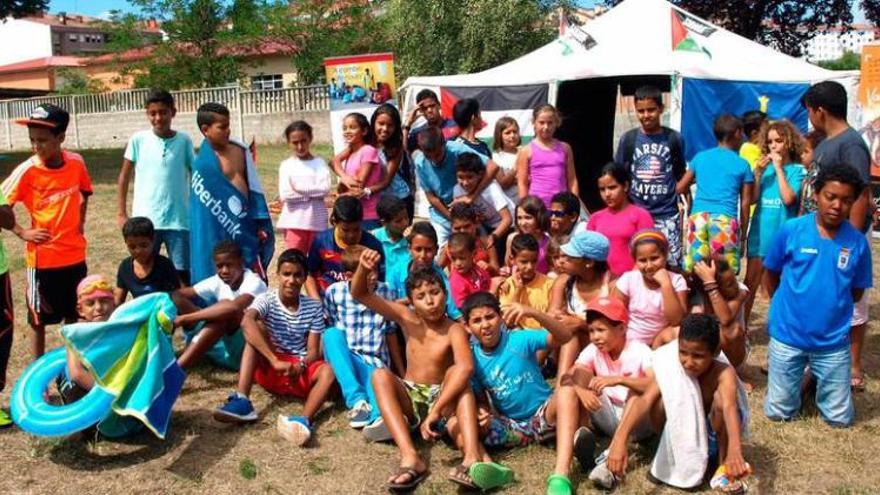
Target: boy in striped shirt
(283,329)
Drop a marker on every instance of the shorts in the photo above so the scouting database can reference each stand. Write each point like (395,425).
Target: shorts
(710,234)
(505,432)
(299,239)
(282,384)
(51,293)
(176,246)
(226,352)
(607,419)
(671,228)
(422,397)
(6,325)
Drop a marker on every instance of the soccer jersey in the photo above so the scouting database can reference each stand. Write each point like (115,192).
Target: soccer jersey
(325,257)
(289,331)
(54,198)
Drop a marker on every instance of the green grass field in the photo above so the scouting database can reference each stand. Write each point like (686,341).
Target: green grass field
(201,456)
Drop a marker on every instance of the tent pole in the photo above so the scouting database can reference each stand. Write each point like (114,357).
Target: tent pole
(675,99)
(552,92)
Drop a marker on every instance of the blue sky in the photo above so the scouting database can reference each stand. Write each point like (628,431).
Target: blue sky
(100,7)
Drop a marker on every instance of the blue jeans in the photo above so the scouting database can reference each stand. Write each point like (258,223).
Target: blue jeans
(352,372)
(831,370)
(176,245)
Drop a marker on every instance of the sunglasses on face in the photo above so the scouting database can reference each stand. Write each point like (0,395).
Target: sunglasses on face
(559,213)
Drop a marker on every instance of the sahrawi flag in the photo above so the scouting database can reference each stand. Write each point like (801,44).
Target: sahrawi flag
(686,30)
(517,102)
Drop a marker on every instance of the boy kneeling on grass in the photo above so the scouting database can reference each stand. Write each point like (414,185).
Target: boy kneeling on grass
(524,409)
(439,365)
(215,330)
(721,398)
(283,329)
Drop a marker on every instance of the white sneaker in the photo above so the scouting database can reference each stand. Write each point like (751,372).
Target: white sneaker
(294,429)
(359,416)
(600,475)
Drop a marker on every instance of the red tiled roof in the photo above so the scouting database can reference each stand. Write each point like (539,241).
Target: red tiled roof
(80,21)
(42,63)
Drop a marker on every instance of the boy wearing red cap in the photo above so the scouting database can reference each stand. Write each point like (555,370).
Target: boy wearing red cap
(607,375)
(54,187)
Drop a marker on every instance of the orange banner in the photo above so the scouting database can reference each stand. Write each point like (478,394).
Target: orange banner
(869,98)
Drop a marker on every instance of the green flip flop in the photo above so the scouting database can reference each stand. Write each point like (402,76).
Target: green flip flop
(489,475)
(5,420)
(558,484)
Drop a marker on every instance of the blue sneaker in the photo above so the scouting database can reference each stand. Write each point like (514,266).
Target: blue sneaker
(295,429)
(359,416)
(238,409)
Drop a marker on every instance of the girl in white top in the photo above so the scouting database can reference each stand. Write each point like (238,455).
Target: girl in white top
(505,146)
(655,297)
(303,183)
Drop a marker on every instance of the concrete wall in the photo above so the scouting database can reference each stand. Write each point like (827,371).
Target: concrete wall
(112,130)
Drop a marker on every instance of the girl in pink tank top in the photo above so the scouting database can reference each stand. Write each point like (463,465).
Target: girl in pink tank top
(546,166)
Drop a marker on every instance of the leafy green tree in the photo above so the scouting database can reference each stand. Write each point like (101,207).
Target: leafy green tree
(77,82)
(848,61)
(21,8)
(453,36)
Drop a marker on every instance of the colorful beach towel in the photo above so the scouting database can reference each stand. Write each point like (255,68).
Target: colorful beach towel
(219,211)
(131,357)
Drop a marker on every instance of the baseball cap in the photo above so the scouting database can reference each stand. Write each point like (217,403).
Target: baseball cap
(609,307)
(587,244)
(93,287)
(49,116)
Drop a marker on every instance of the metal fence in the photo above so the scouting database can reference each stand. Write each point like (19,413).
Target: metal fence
(295,99)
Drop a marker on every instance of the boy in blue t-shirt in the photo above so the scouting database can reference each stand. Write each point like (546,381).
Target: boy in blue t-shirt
(654,156)
(524,408)
(395,219)
(723,189)
(816,268)
(161,160)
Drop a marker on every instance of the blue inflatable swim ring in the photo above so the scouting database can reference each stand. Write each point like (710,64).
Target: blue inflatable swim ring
(32,414)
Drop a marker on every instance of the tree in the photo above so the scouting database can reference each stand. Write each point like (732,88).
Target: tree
(205,43)
(782,24)
(21,8)
(848,61)
(452,36)
(77,82)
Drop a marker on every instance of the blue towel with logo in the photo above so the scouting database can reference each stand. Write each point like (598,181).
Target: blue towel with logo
(219,211)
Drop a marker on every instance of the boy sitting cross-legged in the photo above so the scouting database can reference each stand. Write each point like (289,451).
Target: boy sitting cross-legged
(214,330)
(358,341)
(524,409)
(439,365)
(283,333)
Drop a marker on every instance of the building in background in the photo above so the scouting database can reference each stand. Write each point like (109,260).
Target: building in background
(831,43)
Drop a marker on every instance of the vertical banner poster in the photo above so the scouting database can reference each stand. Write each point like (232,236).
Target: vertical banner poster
(869,100)
(358,83)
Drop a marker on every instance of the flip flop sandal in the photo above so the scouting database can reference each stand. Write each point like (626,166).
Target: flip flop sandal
(558,484)
(857,382)
(489,475)
(415,479)
(459,475)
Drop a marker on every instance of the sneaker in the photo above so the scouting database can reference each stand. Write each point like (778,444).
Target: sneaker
(295,429)
(238,409)
(5,420)
(585,448)
(359,416)
(601,476)
(377,432)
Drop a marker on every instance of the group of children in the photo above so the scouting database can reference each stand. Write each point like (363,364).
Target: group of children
(449,328)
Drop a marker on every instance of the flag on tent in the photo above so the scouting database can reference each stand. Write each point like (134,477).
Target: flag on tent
(704,100)
(496,102)
(685,28)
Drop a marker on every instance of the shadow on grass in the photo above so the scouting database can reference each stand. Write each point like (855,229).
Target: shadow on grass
(764,462)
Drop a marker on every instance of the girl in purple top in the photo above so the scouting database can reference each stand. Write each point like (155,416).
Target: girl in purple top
(358,166)
(546,166)
(530,218)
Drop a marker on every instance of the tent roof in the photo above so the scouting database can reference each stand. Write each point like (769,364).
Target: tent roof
(635,38)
